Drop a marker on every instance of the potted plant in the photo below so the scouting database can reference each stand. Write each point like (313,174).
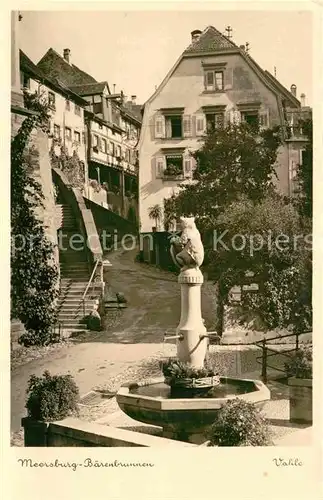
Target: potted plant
(299,372)
(185,380)
(239,423)
(155,213)
(49,398)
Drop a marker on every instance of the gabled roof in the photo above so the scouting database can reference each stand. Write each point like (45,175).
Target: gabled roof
(134,111)
(89,88)
(55,66)
(210,40)
(281,87)
(28,67)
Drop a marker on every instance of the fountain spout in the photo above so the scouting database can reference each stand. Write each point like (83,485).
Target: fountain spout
(170,337)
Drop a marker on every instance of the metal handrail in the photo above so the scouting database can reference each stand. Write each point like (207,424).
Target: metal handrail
(263,344)
(89,283)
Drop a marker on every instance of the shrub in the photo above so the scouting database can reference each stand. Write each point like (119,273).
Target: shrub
(52,397)
(300,365)
(239,423)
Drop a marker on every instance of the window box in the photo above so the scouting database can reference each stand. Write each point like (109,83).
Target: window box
(172,177)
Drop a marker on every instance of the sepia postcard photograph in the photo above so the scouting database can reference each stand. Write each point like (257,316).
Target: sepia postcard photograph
(162,277)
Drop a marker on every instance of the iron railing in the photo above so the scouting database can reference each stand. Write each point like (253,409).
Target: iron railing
(268,352)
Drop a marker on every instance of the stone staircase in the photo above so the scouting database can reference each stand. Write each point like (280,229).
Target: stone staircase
(75,275)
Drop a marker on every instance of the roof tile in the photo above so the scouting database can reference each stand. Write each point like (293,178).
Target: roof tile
(89,88)
(55,66)
(210,40)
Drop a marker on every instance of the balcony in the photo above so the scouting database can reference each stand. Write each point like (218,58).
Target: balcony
(295,133)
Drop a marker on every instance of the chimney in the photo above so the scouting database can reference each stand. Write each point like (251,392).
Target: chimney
(67,55)
(303,100)
(293,89)
(196,35)
(133,99)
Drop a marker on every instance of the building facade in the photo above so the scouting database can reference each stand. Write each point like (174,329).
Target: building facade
(213,82)
(66,110)
(112,130)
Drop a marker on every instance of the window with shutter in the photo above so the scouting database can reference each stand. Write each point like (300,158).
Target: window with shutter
(187,126)
(159,127)
(228,79)
(200,124)
(209,80)
(160,166)
(264,119)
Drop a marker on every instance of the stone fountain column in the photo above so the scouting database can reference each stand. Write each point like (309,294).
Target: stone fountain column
(191,348)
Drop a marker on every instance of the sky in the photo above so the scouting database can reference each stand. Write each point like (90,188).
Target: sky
(135,49)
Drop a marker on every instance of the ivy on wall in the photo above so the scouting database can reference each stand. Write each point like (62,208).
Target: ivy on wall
(72,166)
(34,274)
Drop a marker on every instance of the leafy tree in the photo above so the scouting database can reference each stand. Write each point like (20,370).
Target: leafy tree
(234,162)
(155,213)
(265,243)
(34,275)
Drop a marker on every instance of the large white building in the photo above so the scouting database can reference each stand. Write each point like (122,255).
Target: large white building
(213,82)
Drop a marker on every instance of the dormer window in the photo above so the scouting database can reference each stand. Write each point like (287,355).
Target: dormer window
(214,77)
(214,80)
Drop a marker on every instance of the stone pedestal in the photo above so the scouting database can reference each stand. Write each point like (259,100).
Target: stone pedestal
(191,348)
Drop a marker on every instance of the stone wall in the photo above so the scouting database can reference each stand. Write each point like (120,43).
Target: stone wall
(73,432)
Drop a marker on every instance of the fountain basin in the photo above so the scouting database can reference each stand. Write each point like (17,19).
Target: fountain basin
(185,418)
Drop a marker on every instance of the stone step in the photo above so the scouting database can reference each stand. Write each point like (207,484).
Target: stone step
(79,266)
(81,263)
(76,275)
(73,284)
(70,307)
(77,317)
(75,295)
(76,298)
(80,279)
(113,305)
